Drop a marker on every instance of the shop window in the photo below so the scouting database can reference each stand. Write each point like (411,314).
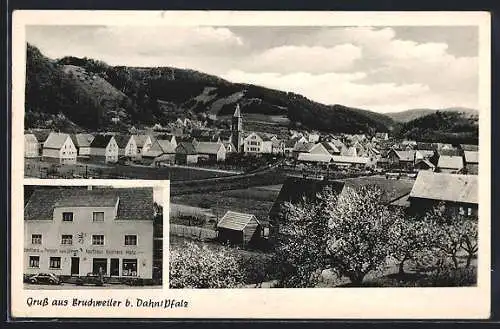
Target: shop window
(129,267)
(67,216)
(36,239)
(130,240)
(98,216)
(35,261)
(98,240)
(66,239)
(55,262)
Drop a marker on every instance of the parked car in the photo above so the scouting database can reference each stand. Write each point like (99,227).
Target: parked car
(90,278)
(44,278)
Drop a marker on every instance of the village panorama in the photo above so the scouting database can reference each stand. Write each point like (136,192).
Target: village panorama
(268,189)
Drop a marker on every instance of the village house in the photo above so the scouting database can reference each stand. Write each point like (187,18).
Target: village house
(471,160)
(382,136)
(331,148)
(215,152)
(185,153)
(104,149)
(162,151)
(278,146)
(257,144)
(230,148)
(450,164)
(349,151)
(59,147)
(143,143)
(31,147)
(459,193)
(75,231)
(169,137)
(424,164)
(401,159)
(313,138)
(293,143)
(126,146)
(239,228)
(82,143)
(310,148)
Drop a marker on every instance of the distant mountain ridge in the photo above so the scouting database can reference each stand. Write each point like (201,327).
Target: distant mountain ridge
(409,115)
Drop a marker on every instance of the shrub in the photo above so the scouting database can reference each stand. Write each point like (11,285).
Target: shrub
(194,266)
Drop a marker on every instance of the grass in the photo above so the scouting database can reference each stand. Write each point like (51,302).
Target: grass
(253,200)
(32,169)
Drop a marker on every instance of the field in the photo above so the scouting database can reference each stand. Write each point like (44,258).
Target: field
(40,169)
(255,200)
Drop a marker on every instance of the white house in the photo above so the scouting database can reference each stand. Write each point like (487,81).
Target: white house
(104,147)
(59,147)
(256,144)
(31,149)
(310,148)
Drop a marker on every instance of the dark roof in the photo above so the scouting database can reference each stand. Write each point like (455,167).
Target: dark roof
(122,140)
(448,152)
(469,147)
(101,141)
(41,135)
(185,148)
(134,204)
(297,190)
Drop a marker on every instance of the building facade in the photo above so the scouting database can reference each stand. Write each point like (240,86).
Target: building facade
(73,232)
(59,147)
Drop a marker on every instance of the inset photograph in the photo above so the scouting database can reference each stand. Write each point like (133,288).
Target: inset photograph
(83,237)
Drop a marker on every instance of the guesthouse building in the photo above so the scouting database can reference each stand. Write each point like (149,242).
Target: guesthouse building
(73,231)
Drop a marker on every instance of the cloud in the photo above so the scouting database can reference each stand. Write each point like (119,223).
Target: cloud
(314,59)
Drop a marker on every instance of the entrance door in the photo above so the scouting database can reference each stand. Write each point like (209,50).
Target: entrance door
(115,267)
(99,265)
(75,266)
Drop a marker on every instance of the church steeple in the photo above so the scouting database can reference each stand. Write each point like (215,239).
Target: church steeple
(237,128)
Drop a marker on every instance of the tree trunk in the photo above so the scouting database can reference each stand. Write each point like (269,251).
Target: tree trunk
(401,271)
(469,260)
(455,261)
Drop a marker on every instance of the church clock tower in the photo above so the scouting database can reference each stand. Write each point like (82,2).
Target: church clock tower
(237,128)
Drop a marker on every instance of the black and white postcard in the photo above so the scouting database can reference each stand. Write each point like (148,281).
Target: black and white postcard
(320,164)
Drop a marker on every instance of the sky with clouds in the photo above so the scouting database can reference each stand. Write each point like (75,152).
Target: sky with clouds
(384,69)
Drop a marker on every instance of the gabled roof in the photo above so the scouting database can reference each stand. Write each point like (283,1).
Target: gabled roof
(450,162)
(134,203)
(82,140)
(140,140)
(30,138)
(208,147)
(446,187)
(311,157)
(426,162)
(122,140)
(424,153)
(101,141)
(41,134)
(392,189)
(55,140)
(449,152)
(166,146)
(305,147)
(349,159)
(236,221)
(471,156)
(185,148)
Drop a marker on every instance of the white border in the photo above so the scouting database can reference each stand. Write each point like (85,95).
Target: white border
(325,303)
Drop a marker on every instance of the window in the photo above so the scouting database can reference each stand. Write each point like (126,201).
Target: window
(98,240)
(461,211)
(129,267)
(36,239)
(35,261)
(130,240)
(67,239)
(67,216)
(469,211)
(98,216)
(55,262)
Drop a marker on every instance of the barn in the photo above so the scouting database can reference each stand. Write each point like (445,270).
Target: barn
(238,228)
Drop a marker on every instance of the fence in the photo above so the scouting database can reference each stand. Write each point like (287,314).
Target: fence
(193,232)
